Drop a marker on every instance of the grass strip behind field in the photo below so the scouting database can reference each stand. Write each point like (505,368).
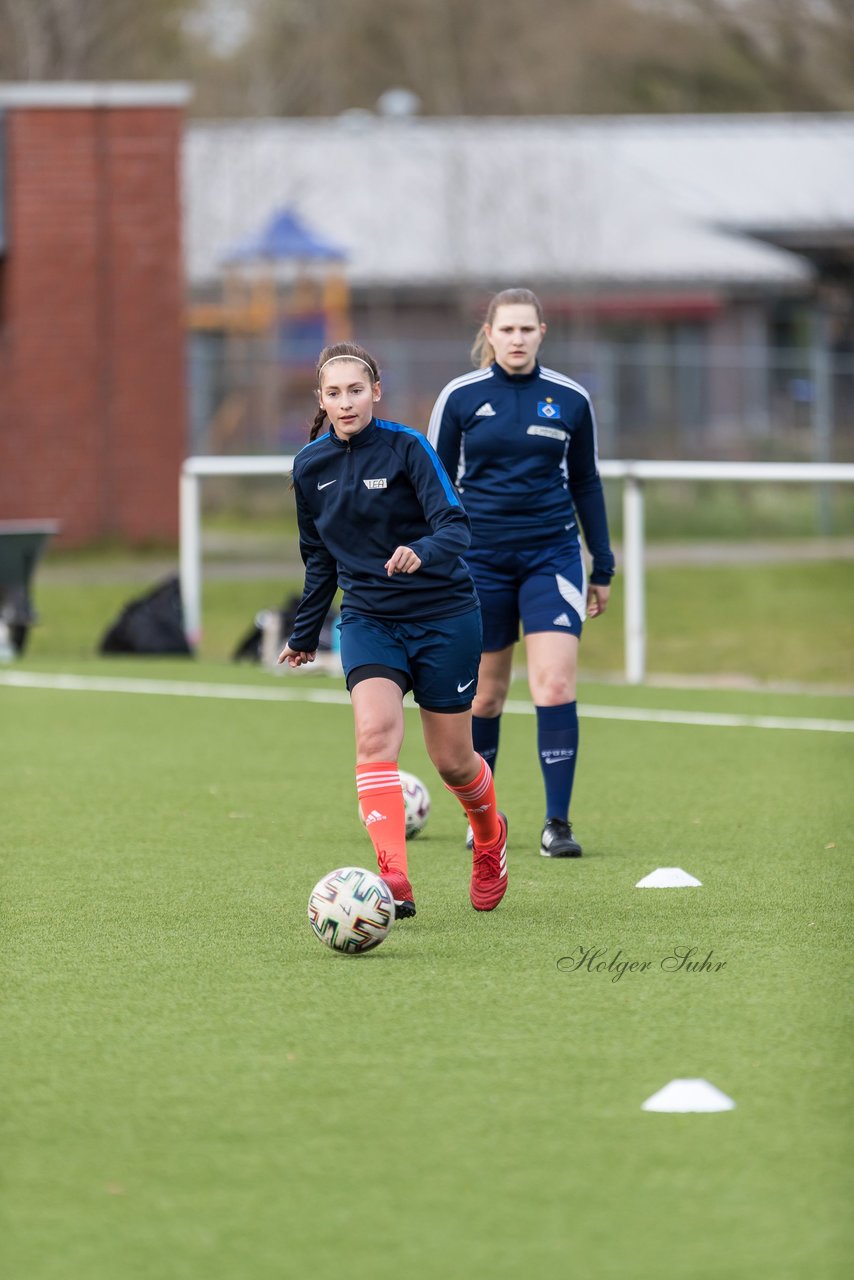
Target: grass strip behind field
(790,622)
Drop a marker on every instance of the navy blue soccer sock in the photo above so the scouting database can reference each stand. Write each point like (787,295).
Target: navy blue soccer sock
(557,744)
(485,735)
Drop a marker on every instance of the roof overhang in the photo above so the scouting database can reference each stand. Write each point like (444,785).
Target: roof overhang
(830,249)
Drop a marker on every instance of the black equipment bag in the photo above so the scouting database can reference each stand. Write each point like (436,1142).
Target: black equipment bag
(152,624)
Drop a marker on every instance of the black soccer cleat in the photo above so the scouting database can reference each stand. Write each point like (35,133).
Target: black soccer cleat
(557,840)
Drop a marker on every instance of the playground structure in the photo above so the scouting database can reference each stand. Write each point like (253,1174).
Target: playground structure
(284,295)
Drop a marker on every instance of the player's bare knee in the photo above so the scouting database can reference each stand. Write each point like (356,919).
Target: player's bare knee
(376,742)
(489,703)
(454,768)
(552,689)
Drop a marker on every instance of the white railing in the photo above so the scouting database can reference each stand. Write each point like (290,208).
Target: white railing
(633,475)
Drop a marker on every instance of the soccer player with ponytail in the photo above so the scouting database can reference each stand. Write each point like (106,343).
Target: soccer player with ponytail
(379,517)
(520,442)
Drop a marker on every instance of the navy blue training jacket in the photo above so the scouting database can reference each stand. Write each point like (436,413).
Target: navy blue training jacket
(521,449)
(359,499)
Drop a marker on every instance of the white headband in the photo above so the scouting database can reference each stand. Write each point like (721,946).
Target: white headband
(358,360)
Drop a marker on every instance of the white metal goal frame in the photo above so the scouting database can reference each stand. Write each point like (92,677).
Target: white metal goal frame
(633,474)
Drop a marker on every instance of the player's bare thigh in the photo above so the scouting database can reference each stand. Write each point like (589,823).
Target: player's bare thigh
(552,667)
(378,713)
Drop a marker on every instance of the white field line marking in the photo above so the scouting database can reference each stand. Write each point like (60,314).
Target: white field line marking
(168,688)
(339,697)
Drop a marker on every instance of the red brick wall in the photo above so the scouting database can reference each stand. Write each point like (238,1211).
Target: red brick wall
(92,392)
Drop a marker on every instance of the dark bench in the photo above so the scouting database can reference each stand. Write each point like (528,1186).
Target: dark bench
(21,545)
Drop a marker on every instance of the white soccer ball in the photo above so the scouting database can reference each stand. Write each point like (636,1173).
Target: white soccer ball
(416,799)
(351,910)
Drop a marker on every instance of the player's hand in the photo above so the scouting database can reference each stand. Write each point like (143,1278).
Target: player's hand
(597,599)
(295,657)
(403,560)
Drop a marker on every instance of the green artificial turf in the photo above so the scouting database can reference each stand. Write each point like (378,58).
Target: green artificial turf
(195,1088)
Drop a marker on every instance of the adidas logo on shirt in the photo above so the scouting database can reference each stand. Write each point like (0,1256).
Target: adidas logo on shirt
(485,411)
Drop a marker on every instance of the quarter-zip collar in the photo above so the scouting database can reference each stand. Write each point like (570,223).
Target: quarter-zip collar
(515,379)
(359,440)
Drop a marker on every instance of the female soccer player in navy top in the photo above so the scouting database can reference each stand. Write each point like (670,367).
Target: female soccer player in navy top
(519,441)
(379,517)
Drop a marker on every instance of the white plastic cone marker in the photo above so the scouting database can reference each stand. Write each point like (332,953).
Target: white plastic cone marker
(689,1095)
(668,878)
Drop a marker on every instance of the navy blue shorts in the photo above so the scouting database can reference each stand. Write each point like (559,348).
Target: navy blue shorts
(545,588)
(437,659)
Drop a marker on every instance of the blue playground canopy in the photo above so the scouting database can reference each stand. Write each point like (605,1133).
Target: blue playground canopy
(284,237)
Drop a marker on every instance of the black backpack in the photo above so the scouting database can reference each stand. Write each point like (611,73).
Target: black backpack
(154,623)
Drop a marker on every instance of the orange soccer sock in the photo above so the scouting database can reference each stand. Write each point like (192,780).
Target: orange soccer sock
(383,813)
(478,799)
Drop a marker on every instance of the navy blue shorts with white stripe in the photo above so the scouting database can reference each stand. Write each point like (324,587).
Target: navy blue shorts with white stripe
(544,588)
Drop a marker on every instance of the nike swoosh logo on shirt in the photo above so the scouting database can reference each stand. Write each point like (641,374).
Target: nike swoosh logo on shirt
(461,688)
(327,484)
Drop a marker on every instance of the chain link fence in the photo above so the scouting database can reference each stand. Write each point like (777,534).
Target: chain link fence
(653,400)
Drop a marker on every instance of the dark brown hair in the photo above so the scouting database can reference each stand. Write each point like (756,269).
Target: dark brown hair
(340,351)
(482,353)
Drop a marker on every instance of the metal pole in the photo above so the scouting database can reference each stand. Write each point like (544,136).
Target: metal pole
(190,560)
(633,568)
(822,409)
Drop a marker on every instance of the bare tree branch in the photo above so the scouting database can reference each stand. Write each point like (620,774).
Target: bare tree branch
(479,57)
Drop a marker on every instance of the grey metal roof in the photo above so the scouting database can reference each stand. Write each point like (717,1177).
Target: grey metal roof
(580,201)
